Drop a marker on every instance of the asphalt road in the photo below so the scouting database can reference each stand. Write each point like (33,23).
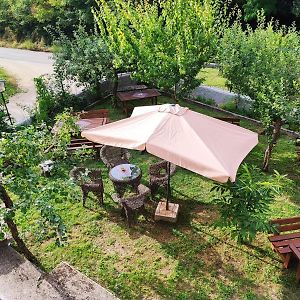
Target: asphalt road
(25,65)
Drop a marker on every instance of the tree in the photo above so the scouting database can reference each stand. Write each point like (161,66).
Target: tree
(83,58)
(264,64)
(23,187)
(285,10)
(29,18)
(164,43)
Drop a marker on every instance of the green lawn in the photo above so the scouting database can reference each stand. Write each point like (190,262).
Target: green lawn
(212,77)
(10,85)
(188,260)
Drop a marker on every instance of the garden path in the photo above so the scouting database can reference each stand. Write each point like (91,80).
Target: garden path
(24,65)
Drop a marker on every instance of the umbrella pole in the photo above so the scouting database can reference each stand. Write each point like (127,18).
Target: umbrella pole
(168,186)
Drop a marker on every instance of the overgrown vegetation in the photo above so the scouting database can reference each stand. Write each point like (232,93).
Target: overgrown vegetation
(244,204)
(83,59)
(11,86)
(26,21)
(21,152)
(53,97)
(262,63)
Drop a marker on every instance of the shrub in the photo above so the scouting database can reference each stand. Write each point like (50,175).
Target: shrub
(3,122)
(244,204)
(52,98)
(230,106)
(208,101)
(83,59)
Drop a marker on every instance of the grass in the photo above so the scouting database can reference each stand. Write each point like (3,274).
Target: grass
(212,77)
(11,86)
(188,260)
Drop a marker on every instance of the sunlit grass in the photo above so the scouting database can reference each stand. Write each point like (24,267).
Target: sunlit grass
(188,260)
(212,77)
(11,86)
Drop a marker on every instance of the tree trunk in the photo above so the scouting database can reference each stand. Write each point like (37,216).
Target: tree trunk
(13,227)
(175,93)
(275,135)
(115,88)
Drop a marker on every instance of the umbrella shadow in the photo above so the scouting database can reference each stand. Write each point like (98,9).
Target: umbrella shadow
(195,251)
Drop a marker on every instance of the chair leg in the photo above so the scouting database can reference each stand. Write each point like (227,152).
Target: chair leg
(286,260)
(144,212)
(99,195)
(129,216)
(298,272)
(84,196)
(153,189)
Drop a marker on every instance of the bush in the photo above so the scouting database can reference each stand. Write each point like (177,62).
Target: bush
(230,106)
(53,99)
(3,122)
(244,205)
(83,59)
(208,101)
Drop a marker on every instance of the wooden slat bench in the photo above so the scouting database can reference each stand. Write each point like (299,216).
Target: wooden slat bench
(232,120)
(281,242)
(296,251)
(82,143)
(96,113)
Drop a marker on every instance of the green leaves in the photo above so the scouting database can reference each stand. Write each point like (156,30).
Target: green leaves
(21,152)
(84,59)
(244,205)
(263,64)
(165,43)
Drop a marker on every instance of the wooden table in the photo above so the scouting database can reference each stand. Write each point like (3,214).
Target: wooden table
(85,124)
(125,97)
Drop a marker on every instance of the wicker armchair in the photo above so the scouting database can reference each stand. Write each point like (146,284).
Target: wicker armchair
(89,181)
(158,175)
(134,203)
(113,156)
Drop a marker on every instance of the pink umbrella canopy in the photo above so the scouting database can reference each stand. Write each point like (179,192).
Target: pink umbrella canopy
(191,140)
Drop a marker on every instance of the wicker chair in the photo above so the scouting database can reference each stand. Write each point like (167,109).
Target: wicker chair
(134,203)
(89,181)
(158,175)
(113,156)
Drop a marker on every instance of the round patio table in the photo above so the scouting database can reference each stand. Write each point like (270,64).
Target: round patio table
(124,175)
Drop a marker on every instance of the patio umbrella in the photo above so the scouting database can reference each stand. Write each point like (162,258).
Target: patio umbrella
(191,140)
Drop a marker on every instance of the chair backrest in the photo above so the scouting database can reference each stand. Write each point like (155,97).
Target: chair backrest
(113,156)
(135,201)
(83,175)
(287,224)
(156,168)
